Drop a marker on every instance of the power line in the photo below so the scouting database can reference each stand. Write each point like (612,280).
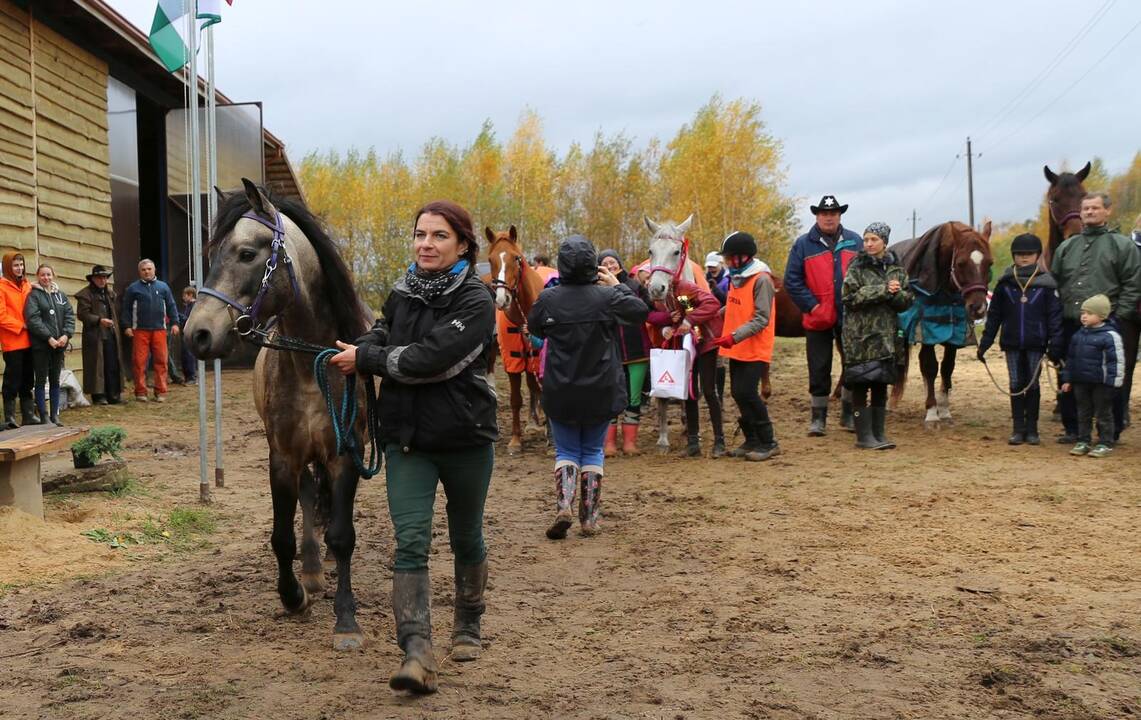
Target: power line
(954,161)
(1071,86)
(1038,79)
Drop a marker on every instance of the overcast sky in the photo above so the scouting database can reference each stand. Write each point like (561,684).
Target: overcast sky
(872,100)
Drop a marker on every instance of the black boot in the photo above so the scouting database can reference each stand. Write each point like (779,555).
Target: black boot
(1033,400)
(847,420)
(879,423)
(767,446)
(693,446)
(750,443)
(471,580)
(1018,416)
(28,414)
(865,437)
(718,449)
(819,422)
(412,608)
(10,414)
(566,487)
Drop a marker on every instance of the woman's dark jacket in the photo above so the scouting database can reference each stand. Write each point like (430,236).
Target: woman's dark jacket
(1032,325)
(633,340)
(48,315)
(583,381)
(435,394)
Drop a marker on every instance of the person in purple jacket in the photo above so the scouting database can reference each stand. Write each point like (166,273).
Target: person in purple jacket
(1026,306)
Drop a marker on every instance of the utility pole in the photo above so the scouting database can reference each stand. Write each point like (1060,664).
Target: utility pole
(914,220)
(970,183)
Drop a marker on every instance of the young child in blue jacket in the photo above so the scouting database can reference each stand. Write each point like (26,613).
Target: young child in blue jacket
(1095,369)
(1026,306)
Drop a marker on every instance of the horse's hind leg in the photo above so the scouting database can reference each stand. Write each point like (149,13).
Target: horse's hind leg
(283,487)
(341,537)
(663,426)
(943,395)
(535,392)
(929,367)
(312,570)
(515,445)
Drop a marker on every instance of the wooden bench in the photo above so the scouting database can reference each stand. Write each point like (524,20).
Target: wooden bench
(20,451)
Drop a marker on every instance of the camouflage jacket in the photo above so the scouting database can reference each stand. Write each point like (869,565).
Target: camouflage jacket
(871,328)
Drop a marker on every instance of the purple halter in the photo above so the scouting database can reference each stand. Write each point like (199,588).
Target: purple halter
(247,322)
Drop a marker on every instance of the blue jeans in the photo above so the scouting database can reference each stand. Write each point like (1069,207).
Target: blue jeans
(580,445)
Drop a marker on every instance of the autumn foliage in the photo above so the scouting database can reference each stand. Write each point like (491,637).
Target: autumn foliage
(723,166)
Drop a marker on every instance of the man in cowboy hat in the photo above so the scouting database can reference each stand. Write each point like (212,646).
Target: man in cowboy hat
(812,278)
(97,308)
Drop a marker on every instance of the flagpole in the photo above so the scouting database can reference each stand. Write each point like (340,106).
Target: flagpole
(196,234)
(211,212)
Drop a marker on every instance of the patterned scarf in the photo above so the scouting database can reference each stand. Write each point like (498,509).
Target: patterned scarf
(429,286)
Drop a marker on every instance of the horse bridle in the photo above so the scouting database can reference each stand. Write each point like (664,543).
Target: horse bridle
(1071,215)
(955,280)
(512,290)
(675,272)
(246,323)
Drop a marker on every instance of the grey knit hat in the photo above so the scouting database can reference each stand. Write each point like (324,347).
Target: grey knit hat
(879,228)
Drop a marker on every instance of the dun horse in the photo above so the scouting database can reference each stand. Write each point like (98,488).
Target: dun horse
(271,260)
(949,267)
(516,287)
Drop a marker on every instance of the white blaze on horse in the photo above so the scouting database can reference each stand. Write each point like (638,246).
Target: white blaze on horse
(516,286)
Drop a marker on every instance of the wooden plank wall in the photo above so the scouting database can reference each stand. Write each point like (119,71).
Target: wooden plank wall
(55,189)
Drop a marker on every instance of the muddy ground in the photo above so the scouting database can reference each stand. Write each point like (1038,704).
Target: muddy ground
(955,577)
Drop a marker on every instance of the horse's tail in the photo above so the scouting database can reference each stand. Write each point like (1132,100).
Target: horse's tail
(901,379)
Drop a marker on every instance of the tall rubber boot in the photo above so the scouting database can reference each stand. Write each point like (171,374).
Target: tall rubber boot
(693,445)
(846,419)
(10,414)
(412,608)
(471,580)
(590,500)
(53,400)
(879,424)
(1033,402)
(718,449)
(865,437)
(566,484)
(819,424)
(610,447)
(750,443)
(630,439)
(1018,420)
(28,415)
(766,446)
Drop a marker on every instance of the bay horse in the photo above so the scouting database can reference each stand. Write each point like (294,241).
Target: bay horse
(516,287)
(271,260)
(947,266)
(1064,200)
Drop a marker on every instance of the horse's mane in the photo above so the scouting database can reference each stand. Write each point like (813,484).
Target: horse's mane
(349,316)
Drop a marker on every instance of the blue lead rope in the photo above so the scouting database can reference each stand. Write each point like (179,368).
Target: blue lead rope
(344,420)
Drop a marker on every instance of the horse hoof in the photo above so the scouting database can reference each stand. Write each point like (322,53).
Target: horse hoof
(663,449)
(931,425)
(514,450)
(329,562)
(533,429)
(344,642)
(313,583)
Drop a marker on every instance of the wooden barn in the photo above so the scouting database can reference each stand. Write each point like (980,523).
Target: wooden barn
(92,152)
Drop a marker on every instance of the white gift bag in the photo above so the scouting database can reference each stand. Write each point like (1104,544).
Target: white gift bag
(669,371)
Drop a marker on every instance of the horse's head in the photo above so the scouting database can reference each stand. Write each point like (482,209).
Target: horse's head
(1064,199)
(970,261)
(666,257)
(505,256)
(251,279)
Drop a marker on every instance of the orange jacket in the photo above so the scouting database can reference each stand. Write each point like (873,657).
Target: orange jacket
(13,296)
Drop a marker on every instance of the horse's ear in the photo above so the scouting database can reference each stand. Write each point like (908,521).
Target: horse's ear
(987,227)
(653,226)
(258,200)
(221,195)
(1083,173)
(513,234)
(684,227)
(488,234)
(1050,174)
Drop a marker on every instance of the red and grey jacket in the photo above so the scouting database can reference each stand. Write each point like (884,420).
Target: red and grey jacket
(814,274)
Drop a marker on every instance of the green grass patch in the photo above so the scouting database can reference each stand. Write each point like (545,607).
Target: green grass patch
(192,520)
(182,529)
(132,488)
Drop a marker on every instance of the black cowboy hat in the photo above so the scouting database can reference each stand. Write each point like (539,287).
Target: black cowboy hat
(829,203)
(100,271)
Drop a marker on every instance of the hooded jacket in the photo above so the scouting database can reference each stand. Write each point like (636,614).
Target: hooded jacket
(815,273)
(435,395)
(633,341)
(13,296)
(1096,356)
(582,380)
(1098,261)
(1032,325)
(49,315)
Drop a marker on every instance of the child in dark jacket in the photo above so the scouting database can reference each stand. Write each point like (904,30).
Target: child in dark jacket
(1095,369)
(1026,306)
(189,362)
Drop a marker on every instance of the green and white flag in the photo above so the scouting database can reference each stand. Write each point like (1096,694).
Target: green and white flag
(166,37)
(210,11)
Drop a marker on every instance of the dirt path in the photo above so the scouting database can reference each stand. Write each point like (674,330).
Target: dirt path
(953,578)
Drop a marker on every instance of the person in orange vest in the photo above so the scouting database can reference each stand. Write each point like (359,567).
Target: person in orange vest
(542,268)
(16,343)
(747,340)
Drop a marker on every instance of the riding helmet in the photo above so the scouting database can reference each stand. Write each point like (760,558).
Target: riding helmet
(738,243)
(1025,244)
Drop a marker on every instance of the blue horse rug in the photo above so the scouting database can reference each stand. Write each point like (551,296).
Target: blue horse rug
(935,319)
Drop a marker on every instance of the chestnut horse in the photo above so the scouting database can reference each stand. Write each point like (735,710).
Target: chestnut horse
(950,263)
(516,287)
(1064,199)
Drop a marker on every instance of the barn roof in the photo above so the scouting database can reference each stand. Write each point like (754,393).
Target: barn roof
(100,29)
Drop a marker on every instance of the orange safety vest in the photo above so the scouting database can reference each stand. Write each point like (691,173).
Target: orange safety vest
(739,308)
